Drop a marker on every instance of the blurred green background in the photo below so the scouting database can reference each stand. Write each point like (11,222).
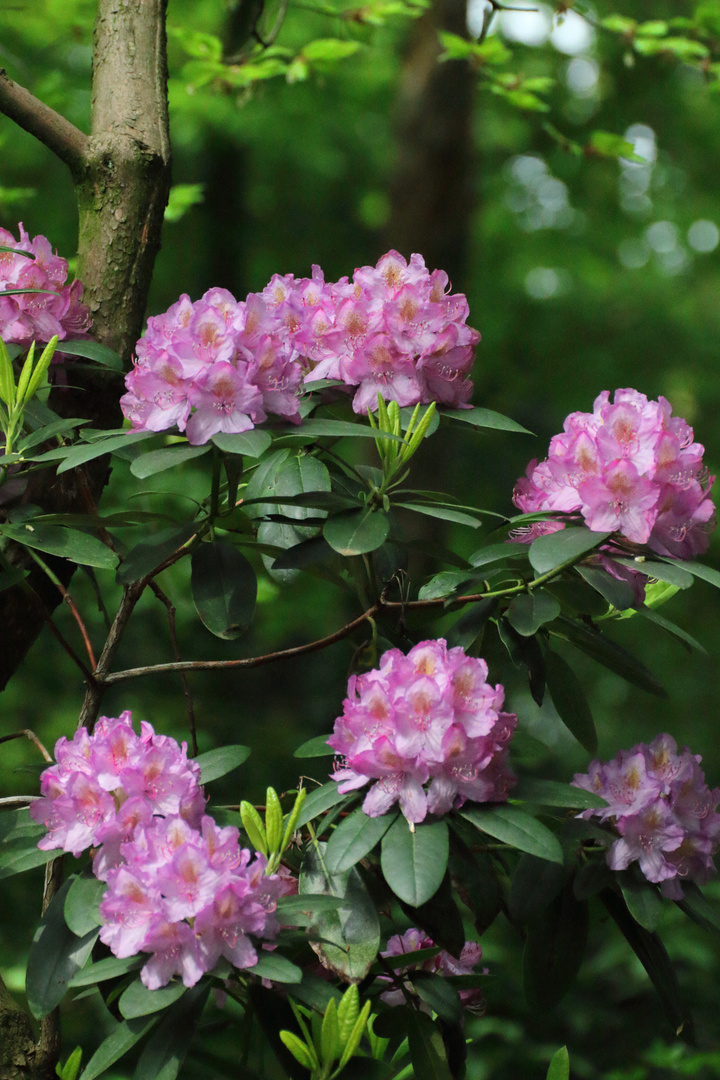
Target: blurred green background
(582,274)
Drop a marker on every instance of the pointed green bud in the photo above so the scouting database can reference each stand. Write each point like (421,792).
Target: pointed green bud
(355,1036)
(273,821)
(330,1046)
(348,1011)
(7,376)
(41,368)
(25,374)
(299,1050)
(253,826)
(393,412)
(420,432)
(292,819)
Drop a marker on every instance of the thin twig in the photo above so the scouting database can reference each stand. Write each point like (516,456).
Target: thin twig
(70,603)
(94,692)
(176,653)
(26,733)
(58,134)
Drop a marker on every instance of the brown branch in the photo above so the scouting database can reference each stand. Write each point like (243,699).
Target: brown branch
(170,608)
(94,692)
(26,733)
(58,134)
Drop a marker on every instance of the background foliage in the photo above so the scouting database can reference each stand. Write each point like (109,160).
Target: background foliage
(582,272)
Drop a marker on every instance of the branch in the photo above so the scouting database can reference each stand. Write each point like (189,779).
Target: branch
(58,134)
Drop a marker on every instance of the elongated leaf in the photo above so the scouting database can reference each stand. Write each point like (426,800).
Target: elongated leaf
(79,455)
(516,828)
(317,747)
(673,573)
(47,432)
(549,552)
(555,793)
(443,584)
(700,908)
(485,418)
(92,350)
(609,654)
(103,970)
(427,1050)
(250,443)
(219,762)
(529,611)
(319,427)
(71,544)
(559,1068)
(474,876)
(554,949)
(498,553)
(17,827)
(167,1047)
(414,863)
(642,898)
(705,573)
(150,553)
(686,639)
(319,800)
(535,884)
(354,838)
(357,532)
(15,859)
(570,701)
(440,917)
(302,905)
(82,904)
(444,513)
(276,968)
(137,1000)
(224,588)
(307,553)
(347,939)
(617,593)
(168,458)
(56,955)
(440,995)
(125,1035)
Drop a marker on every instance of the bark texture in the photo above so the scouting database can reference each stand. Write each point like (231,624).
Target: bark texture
(122,175)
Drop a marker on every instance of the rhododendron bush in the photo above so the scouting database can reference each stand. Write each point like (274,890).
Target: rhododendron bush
(347,916)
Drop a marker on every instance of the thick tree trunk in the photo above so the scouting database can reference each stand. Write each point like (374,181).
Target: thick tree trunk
(122,175)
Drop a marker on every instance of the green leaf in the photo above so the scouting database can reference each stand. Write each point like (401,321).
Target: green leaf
(329,49)
(609,144)
(55,956)
(700,908)
(427,1049)
(219,762)
(559,1068)
(485,418)
(705,573)
(529,611)
(317,747)
(672,573)
(443,584)
(498,553)
(617,593)
(277,968)
(167,1048)
(252,443)
(15,859)
(474,874)
(82,904)
(440,995)
(679,47)
(357,532)
(554,949)
(137,1000)
(79,455)
(124,1036)
(444,513)
(354,838)
(320,427)
(159,460)
(570,701)
(71,1068)
(535,884)
(550,551)
(152,552)
(609,654)
(71,544)
(414,862)
(17,827)
(554,793)
(92,350)
(320,800)
(515,828)
(103,970)
(642,898)
(676,631)
(299,910)
(224,588)
(348,939)
(298,1049)
(47,432)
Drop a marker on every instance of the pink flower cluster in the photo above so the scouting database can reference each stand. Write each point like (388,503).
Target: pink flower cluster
(665,813)
(179,887)
(28,317)
(629,467)
(441,964)
(428,716)
(221,365)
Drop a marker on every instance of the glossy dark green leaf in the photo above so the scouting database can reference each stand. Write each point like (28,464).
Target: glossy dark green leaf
(47,432)
(250,443)
(71,544)
(16,858)
(427,1049)
(529,611)
(317,747)
(8,578)
(71,457)
(357,532)
(103,970)
(440,918)
(55,956)
(493,553)
(347,939)
(444,513)
(274,1015)
(516,828)
(300,906)
(306,553)
(440,995)
(320,427)
(118,1042)
(224,588)
(414,862)
(535,884)
(642,899)
(82,904)
(699,570)
(354,838)
(703,910)
(167,1047)
(92,350)
(167,458)
(569,700)
(577,596)
(443,584)
(137,1000)
(277,968)
(219,762)
(592,878)
(319,800)
(485,418)
(152,552)
(609,654)
(554,793)
(554,949)
(686,639)
(473,875)
(551,551)
(673,573)
(617,593)
(525,652)
(17,827)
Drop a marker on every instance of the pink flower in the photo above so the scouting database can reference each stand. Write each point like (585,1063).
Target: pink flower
(443,963)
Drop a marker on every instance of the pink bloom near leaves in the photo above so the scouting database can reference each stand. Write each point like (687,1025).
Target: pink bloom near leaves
(443,963)
(428,718)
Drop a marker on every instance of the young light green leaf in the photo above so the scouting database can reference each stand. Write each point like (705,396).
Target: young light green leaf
(353,1039)
(330,1046)
(298,1049)
(7,377)
(273,821)
(71,1067)
(559,1068)
(37,377)
(290,823)
(254,826)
